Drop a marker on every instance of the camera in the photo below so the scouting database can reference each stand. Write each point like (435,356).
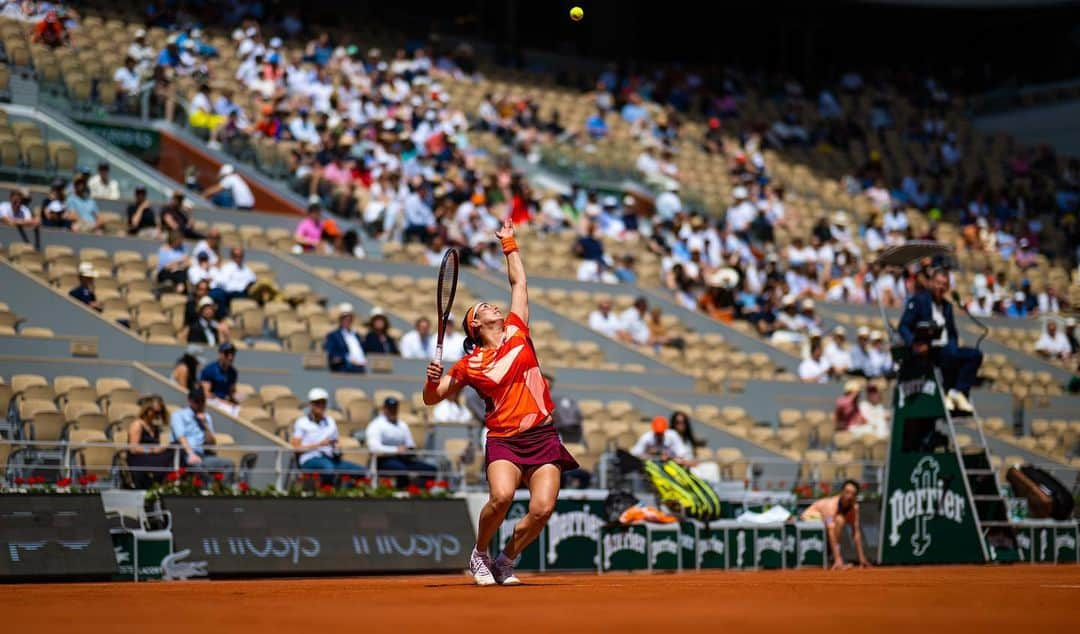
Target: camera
(926,332)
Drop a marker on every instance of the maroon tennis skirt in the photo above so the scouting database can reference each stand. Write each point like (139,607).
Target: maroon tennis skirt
(534,447)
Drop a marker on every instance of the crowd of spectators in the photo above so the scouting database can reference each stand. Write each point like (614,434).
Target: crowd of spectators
(637,325)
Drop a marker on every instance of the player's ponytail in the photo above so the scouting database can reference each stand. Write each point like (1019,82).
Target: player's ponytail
(471,341)
(469,344)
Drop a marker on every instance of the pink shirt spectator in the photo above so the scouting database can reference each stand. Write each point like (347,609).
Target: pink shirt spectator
(340,175)
(309,232)
(847,411)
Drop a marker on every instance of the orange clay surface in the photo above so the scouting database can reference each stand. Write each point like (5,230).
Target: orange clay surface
(956,600)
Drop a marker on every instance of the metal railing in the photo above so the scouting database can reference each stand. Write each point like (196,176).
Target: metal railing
(257,465)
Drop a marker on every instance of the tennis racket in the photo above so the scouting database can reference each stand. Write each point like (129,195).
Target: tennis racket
(444,292)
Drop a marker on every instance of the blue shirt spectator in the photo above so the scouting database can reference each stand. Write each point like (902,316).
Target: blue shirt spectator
(192,424)
(173,251)
(625,271)
(169,56)
(220,377)
(596,126)
(84,207)
(201,47)
(1018,308)
(83,294)
(633,112)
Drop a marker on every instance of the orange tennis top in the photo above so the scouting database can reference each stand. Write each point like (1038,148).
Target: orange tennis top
(509,380)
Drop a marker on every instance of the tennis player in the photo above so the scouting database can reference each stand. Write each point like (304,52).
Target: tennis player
(501,365)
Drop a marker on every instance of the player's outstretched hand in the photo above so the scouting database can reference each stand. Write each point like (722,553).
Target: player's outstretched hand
(434,372)
(507,228)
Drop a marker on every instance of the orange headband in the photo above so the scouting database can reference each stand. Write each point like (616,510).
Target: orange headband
(469,314)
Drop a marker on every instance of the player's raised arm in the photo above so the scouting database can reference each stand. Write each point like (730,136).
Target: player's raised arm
(515,270)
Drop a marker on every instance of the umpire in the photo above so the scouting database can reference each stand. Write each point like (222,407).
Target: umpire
(928,327)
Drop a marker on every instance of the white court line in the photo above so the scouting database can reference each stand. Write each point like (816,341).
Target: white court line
(1061,585)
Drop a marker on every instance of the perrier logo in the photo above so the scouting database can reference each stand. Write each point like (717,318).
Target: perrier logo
(563,526)
(926,500)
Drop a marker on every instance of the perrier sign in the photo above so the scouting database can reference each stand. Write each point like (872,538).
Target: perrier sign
(927,513)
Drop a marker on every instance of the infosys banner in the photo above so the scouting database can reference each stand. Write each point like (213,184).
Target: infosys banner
(255,536)
(58,537)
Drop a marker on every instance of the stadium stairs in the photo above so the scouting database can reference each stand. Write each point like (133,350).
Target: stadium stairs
(58,133)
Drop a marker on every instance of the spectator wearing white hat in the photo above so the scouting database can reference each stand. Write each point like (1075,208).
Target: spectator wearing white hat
(668,203)
(141,52)
(811,322)
(230,191)
(1052,342)
(742,212)
(84,292)
(315,436)
(838,351)
(204,329)
(881,361)
(344,352)
(859,353)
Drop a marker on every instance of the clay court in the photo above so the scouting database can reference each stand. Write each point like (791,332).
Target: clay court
(962,598)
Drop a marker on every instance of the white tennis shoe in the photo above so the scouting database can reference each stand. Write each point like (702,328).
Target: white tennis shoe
(503,569)
(480,569)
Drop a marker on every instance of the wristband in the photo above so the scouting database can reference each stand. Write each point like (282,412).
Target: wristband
(509,245)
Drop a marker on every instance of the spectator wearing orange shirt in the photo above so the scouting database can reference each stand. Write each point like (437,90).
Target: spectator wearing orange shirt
(51,32)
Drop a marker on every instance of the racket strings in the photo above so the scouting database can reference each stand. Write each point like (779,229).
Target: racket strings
(447,283)
(446,291)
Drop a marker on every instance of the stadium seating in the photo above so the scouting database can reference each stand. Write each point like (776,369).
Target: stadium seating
(297,322)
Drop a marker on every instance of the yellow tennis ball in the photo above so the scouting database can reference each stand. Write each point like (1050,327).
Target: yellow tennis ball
(576,14)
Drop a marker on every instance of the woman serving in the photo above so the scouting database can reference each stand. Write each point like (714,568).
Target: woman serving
(501,365)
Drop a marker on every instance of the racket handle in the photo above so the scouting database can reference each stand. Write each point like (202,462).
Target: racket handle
(438,353)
